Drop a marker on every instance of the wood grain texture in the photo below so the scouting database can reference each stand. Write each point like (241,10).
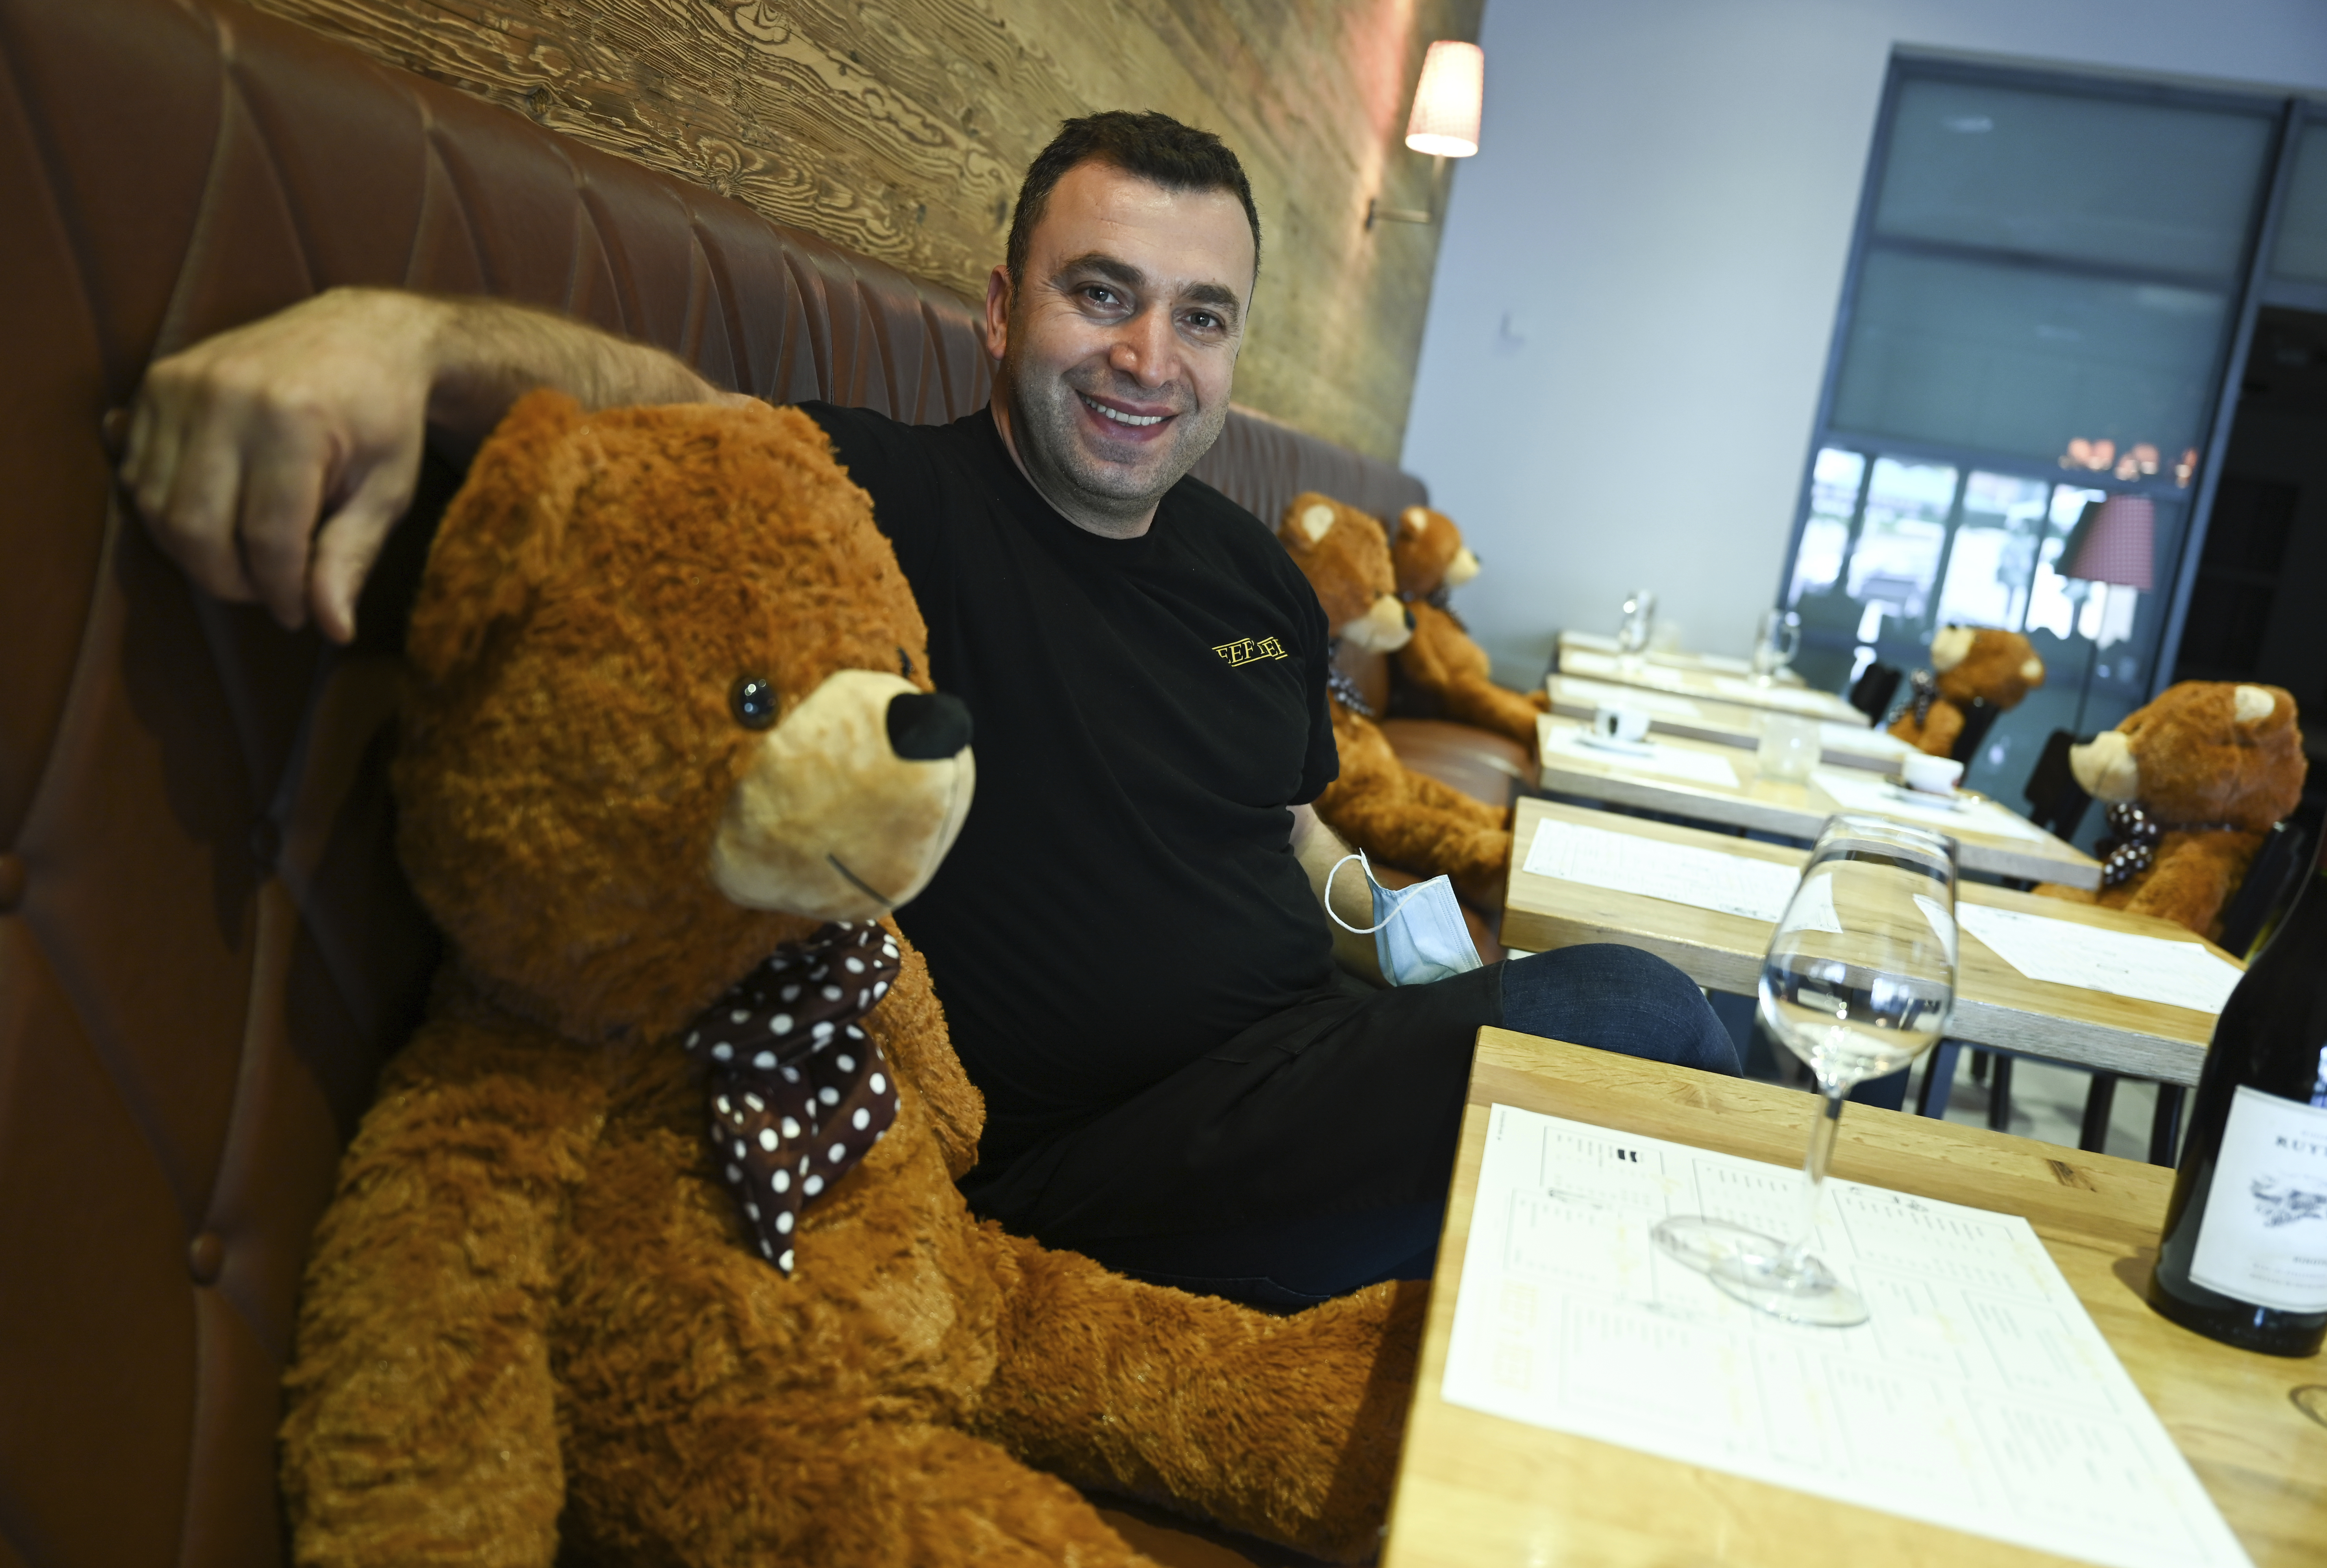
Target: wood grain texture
(1762,806)
(900,129)
(1477,1490)
(1996,1003)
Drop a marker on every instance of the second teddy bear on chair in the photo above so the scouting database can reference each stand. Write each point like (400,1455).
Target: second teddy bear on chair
(1972,668)
(1441,673)
(1379,804)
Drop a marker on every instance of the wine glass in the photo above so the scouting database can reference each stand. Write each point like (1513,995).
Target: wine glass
(1776,640)
(1639,622)
(1858,982)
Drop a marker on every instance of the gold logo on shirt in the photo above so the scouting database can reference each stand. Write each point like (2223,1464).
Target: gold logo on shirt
(1246,651)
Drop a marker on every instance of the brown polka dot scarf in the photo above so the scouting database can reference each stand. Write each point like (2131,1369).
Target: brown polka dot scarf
(798,1093)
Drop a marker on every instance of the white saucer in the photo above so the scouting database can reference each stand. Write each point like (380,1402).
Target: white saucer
(1610,743)
(1954,801)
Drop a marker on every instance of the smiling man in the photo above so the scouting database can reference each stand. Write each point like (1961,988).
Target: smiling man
(1137,972)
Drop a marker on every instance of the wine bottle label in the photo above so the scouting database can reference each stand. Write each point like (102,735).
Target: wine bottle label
(2263,1239)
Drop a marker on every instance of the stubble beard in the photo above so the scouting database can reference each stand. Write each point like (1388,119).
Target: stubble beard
(1046,425)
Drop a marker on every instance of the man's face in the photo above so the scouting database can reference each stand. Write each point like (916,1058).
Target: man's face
(1119,349)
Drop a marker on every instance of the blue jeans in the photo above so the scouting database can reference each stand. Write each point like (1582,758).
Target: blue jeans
(1310,1156)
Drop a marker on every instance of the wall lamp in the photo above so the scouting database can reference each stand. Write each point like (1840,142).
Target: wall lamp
(1446,119)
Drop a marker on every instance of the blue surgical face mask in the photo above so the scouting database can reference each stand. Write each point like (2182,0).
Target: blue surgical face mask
(1418,931)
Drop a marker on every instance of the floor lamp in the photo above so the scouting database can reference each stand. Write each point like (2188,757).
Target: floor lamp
(2114,541)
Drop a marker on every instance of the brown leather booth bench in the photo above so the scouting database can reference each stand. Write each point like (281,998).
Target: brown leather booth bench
(206,948)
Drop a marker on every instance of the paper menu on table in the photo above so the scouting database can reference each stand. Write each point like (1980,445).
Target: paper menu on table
(1980,1396)
(1772,696)
(1854,791)
(1630,862)
(1646,757)
(2122,962)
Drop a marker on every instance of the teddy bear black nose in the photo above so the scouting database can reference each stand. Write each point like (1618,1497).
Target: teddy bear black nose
(928,726)
(1409,618)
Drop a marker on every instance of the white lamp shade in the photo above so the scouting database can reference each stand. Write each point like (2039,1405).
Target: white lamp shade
(1447,99)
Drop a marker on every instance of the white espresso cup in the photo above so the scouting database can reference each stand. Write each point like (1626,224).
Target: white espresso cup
(1931,775)
(1613,724)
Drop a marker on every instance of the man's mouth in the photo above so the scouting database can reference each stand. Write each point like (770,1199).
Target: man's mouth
(1134,421)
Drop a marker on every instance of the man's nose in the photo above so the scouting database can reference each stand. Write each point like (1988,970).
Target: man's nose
(1145,349)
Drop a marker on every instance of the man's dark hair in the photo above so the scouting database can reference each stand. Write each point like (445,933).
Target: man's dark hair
(1155,147)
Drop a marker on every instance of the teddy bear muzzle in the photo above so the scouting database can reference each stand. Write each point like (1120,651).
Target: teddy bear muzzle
(848,805)
(2105,769)
(1384,627)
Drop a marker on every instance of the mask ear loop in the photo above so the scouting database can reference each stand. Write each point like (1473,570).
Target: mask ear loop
(1367,865)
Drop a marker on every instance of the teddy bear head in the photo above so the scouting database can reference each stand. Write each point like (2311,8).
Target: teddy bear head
(2204,752)
(670,711)
(1429,555)
(1345,555)
(1983,664)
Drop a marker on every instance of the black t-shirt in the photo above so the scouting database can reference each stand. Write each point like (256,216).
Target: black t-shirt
(1122,898)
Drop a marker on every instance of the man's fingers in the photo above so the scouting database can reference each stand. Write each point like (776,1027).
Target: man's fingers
(283,482)
(189,493)
(351,542)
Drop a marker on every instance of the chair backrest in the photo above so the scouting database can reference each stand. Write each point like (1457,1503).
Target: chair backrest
(1979,717)
(2056,801)
(2276,865)
(1872,692)
(206,946)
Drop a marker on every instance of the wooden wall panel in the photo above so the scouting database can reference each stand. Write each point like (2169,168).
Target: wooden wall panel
(900,127)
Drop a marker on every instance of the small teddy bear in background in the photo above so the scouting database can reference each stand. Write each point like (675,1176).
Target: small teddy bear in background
(1969,665)
(1379,804)
(1440,672)
(2193,782)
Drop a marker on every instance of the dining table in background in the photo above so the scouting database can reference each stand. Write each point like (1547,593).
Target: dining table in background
(1721,724)
(1721,785)
(1651,672)
(1997,1005)
(1476,1490)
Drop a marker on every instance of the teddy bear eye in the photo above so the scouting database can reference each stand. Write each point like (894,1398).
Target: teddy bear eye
(753,700)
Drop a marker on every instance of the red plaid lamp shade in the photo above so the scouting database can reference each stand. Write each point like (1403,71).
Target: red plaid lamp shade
(2114,541)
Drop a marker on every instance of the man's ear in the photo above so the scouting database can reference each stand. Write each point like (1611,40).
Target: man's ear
(999,296)
(501,536)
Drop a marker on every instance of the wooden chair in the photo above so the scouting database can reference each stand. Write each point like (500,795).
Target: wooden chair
(1873,692)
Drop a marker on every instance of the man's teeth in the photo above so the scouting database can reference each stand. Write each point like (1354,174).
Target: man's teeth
(1121,418)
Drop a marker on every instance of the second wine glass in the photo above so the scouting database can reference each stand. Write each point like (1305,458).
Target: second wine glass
(1858,982)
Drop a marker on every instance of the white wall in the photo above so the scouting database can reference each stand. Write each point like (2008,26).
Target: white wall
(1661,207)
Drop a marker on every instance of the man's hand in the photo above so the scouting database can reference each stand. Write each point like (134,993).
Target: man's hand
(236,446)
(234,449)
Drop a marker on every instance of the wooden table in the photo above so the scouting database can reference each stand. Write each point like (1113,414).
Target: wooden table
(1476,1490)
(1795,810)
(1652,674)
(1996,1004)
(1590,642)
(1721,723)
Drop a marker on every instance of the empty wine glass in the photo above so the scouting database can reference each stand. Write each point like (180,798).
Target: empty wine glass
(1776,640)
(1640,623)
(1859,981)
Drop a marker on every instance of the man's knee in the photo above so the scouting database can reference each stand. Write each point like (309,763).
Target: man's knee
(1619,999)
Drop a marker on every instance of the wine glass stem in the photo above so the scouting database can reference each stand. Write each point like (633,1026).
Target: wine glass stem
(1828,1121)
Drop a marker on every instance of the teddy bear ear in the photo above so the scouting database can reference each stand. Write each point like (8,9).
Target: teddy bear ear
(500,537)
(1414,518)
(2253,704)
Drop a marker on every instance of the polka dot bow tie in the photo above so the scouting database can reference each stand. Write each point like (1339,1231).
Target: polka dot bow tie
(799,1093)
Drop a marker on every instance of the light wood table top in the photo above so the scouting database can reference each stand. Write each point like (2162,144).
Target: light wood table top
(1478,1491)
(1996,1003)
(1721,723)
(1728,792)
(1655,673)
(1597,642)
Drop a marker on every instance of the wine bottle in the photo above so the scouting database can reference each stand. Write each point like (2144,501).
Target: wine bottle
(2243,1257)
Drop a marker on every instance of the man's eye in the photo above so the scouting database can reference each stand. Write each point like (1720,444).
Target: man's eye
(1099,296)
(1203,322)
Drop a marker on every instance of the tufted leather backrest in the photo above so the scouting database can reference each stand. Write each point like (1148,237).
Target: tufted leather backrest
(206,948)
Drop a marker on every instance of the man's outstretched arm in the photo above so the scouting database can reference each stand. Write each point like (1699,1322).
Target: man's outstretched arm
(272,461)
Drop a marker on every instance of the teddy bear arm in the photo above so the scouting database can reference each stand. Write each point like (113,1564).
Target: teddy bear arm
(2193,879)
(910,1024)
(1477,700)
(1285,1427)
(421,1417)
(1426,840)
(1936,735)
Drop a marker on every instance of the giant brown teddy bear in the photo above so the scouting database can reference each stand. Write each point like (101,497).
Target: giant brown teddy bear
(642,1254)
(1440,663)
(1379,804)
(2193,782)
(1969,664)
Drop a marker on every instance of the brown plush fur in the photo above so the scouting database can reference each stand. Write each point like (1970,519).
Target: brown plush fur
(1379,805)
(1441,662)
(531,1330)
(2195,762)
(2000,667)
